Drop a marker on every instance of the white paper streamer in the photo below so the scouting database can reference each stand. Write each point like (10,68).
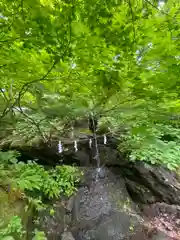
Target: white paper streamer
(60,149)
(105,139)
(75,146)
(72,132)
(90,143)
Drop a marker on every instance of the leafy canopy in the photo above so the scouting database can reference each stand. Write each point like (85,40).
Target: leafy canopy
(61,60)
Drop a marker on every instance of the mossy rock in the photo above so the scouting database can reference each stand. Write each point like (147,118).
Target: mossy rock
(9,208)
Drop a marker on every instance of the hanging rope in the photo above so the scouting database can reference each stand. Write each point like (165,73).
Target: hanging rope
(95,137)
(96,142)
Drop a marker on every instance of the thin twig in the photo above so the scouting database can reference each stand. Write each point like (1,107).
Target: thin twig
(31,120)
(97,157)
(132,16)
(156,7)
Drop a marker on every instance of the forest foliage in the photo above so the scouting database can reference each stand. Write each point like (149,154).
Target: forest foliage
(61,60)
(33,186)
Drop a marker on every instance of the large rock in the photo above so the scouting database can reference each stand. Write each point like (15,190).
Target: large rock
(67,236)
(149,184)
(104,210)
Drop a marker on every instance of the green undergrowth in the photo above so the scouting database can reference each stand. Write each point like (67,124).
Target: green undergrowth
(25,187)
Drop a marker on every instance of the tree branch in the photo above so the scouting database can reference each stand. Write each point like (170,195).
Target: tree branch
(32,121)
(132,15)
(156,7)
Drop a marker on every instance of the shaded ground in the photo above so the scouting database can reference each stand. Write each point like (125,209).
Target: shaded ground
(163,218)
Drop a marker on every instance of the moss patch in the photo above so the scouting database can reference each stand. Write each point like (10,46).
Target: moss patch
(9,208)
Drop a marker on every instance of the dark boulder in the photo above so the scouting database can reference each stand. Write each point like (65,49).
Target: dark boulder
(106,208)
(147,183)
